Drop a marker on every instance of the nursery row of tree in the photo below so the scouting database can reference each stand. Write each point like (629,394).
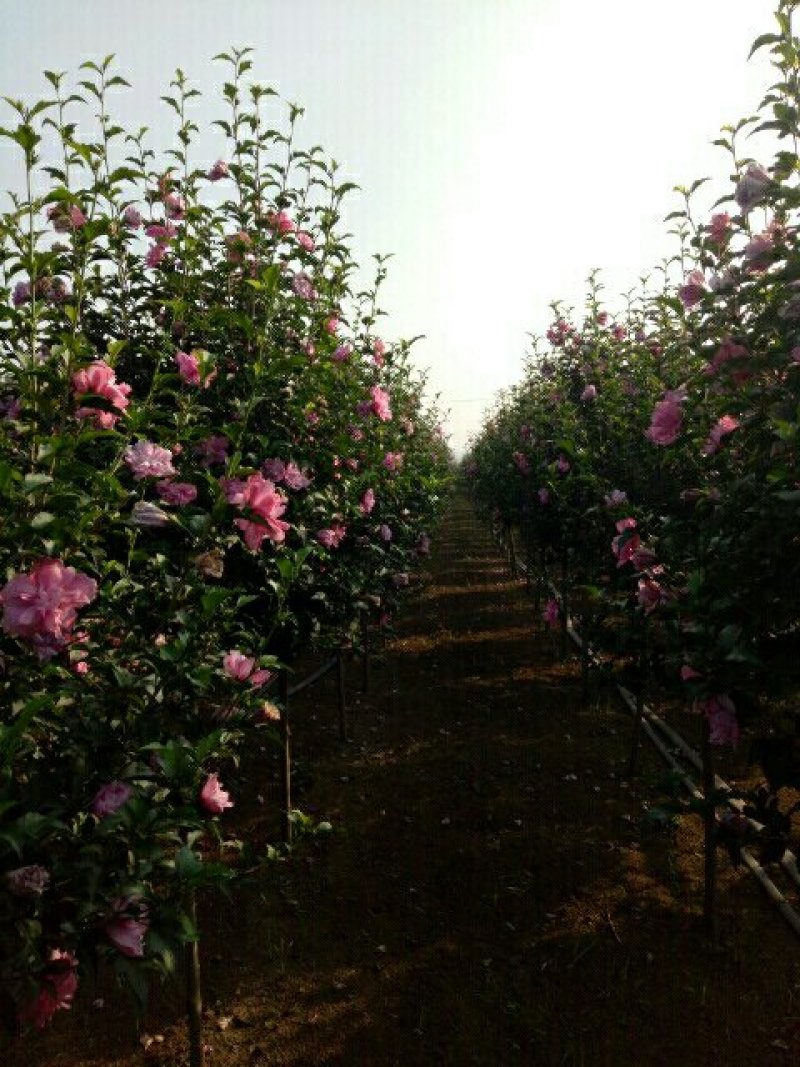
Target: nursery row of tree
(209,461)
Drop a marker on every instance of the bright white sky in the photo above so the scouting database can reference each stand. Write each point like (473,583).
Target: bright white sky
(504,147)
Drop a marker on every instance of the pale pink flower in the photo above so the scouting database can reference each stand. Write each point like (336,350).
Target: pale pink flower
(281,222)
(615,498)
(218,171)
(544,495)
(367,502)
(110,798)
(148,460)
(691,292)
(294,477)
(331,324)
(385,532)
(393,461)
(723,426)
(28,881)
(667,418)
(45,602)
(260,677)
(127,935)
(589,393)
(305,240)
(727,351)
(213,797)
(380,403)
(237,665)
(650,594)
(263,499)
(757,254)
(752,187)
(332,536)
(177,493)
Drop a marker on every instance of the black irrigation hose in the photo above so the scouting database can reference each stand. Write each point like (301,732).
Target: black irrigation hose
(651,722)
(315,676)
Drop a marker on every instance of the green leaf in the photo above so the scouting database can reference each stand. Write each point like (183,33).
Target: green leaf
(33,482)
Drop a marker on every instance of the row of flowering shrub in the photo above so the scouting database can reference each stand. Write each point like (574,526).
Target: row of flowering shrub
(653,454)
(209,459)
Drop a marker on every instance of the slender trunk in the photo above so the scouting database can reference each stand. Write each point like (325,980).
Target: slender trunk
(365,647)
(709,836)
(286,759)
(194,993)
(342,700)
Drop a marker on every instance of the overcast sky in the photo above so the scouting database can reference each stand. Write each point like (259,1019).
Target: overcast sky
(503,147)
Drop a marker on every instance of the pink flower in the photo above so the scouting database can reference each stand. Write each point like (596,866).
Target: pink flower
(294,477)
(626,543)
(305,240)
(237,245)
(727,351)
(331,324)
(562,465)
(177,493)
(58,986)
(161,232)
(303,286)
(643,558)
(237,665)
(385,532)
(45,602)
(98,379)
(175,206)
(21,294)
(666,419)
(367,502)
(132,218)
(752,187)
(259,677)
(342,354)
(691,292)
(618,332)
(758,252)
(650,594)
(155,255)
(393,461)
(332,536)
(689,674)
(521,462)
(720,228)
(148,460)
(723,426)
(127,935)
(602,318)
(188,367)
(721,714)
(28,881)
(280,222)
(213,797)
(544,495)
(110,798)
(213,450)
(550,613)
(218,171)
(275,469)
(589,393)
(380,403)
(262,498)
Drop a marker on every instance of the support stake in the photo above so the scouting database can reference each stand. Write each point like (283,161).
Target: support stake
(286,758)
(194,993)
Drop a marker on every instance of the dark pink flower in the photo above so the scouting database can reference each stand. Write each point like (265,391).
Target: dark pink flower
(213,797)
(562,465)
(544,495)
(177,493)
(280,222)
(188,367)
(521,462)
(342,354)
(650,594)
(57,988)
(175,206)
(110,798)
(692,290)
(367,502)
(132,218)
(218,171)
(719,228)
(689,674)
(721,714)
(127,935)
(550,613)
(393,461)
(275,469)
(213,450)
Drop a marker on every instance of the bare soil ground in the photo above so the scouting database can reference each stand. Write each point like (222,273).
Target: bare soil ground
(489,895)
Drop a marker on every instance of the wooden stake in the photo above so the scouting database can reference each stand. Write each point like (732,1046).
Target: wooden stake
(286,758)
(342,701)
(709,842)
(365,647)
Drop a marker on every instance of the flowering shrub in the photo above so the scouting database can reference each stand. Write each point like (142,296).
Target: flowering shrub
(176,424)
(653,456)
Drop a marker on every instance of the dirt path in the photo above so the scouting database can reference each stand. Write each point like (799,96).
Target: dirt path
(488,896)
